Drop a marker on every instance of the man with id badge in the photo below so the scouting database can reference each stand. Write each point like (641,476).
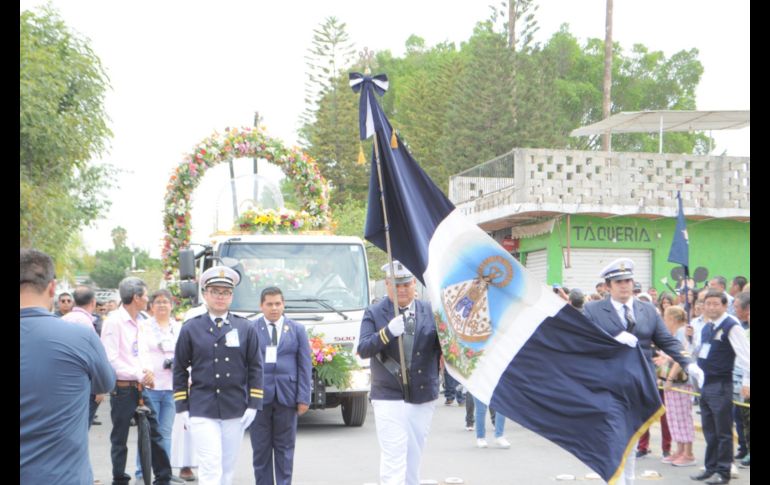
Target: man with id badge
(288,373)
(222,350)
(722,342)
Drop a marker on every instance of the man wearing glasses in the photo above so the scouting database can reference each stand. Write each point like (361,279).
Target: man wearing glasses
(222,351)
(65,304)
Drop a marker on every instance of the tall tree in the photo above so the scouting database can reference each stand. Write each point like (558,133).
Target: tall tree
(63,126)
(479,121)
(327,131)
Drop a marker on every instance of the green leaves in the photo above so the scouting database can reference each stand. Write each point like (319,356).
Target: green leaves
(63,125)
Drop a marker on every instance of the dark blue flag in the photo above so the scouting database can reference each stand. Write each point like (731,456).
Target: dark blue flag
(507,338)
(680,246)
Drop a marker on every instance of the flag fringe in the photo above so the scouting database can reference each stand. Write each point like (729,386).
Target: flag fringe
(632,443)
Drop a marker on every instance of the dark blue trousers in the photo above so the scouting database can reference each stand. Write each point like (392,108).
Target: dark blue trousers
(716,410)
(450,388)
(123,403)
(273,434)
(92,406)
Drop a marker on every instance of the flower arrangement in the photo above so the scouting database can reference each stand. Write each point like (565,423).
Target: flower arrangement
(283,278)
(271,220)
(332,363)
(460,356)
(311,188)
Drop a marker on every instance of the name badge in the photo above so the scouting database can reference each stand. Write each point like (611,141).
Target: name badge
(231,339)
(704,351)
(271,354)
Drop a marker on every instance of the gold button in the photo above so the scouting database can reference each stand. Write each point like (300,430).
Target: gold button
(217,376)
(227,359)
(217,391)
(216,359)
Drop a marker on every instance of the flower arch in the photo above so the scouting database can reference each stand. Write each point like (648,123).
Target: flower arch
(311,188)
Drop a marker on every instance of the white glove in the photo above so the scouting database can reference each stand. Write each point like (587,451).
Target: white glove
(184,417)
(626,338)
(248,417)
(696,372)
(396,326)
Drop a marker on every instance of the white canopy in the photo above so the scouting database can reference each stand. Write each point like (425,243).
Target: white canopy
(666,120)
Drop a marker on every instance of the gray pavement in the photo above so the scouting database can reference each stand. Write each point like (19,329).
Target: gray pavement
(329,453)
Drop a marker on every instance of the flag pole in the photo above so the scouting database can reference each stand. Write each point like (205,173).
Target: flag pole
(402,362)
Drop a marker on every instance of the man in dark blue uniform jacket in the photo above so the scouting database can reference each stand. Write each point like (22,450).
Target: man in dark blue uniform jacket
(226,390)
(285,351)
(632,321)
(402,426)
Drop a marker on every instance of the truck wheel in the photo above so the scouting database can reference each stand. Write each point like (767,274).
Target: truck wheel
(354,409)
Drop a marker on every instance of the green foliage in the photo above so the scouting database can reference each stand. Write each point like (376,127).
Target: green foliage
(113,265)
(349,220)
(63,125)
(458,107)
(330,122)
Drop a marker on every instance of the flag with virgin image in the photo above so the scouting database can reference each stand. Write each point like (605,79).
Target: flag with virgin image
(507,338)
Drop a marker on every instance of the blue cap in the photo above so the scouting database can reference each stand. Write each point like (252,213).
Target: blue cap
(620,269)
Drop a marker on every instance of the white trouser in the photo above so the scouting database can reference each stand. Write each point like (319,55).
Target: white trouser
(216,443)
(402,430)
(627,477)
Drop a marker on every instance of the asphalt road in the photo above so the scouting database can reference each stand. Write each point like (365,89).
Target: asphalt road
(329,453)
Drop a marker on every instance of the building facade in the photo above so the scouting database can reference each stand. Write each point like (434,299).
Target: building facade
(569,213)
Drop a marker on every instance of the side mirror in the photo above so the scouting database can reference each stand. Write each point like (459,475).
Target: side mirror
(186,264)
(189,289)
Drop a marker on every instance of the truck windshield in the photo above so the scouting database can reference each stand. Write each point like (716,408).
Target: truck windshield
(335,274)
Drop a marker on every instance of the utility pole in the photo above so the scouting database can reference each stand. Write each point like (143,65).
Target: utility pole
(256,168)
(606,91)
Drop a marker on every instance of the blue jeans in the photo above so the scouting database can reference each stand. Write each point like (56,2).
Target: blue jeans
(162,404)
(481,411)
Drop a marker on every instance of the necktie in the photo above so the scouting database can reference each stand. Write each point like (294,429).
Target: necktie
(630,323)
(273,335)
(707,333)
(218,321)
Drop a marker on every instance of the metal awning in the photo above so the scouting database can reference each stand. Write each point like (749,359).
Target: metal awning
(662,121)
(667,120)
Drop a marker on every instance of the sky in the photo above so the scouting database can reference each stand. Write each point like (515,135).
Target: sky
(180,70)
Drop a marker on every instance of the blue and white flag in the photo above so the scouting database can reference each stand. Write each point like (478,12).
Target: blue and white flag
(507,338)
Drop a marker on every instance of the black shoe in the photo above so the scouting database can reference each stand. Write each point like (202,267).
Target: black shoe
(746,462)
(741,454)
(449,401)
(642,453)
(666,453)
(96,423)
(702,476)
(717,479)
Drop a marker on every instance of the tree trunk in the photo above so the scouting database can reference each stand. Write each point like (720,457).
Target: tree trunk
(512,24)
